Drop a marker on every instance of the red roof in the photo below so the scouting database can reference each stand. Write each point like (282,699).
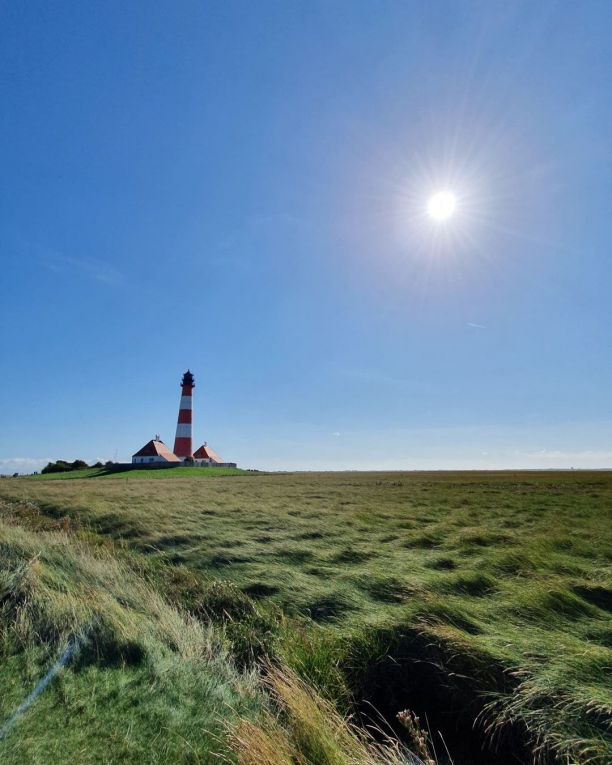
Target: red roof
(157,449)
(206,453)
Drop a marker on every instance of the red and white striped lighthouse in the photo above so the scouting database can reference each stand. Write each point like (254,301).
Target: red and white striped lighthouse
(183,447)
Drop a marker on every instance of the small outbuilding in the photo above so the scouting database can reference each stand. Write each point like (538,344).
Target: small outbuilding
(154,452)
(205,453)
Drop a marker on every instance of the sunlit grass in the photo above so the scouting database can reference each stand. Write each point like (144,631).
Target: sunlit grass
(142,666)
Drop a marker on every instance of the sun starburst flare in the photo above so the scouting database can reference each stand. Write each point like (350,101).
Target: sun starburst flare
(441,206)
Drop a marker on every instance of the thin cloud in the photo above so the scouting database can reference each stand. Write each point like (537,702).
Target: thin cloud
(91,267)
(10,465)
(274,219)
(372,376)
(476,326)
(591,455)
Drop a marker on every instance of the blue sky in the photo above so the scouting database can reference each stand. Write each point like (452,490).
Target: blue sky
(240,187)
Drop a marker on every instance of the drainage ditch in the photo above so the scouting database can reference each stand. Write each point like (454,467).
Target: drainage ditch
(447,691)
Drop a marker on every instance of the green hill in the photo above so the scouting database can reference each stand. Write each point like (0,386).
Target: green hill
(140,473)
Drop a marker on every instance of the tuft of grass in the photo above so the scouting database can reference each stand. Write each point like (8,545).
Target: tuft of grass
(474,583)
(307,729)
(386,589)
(352,556)
(595,594)
(259,590)
(542,603)
(330,607)
(442,563)
(426,541)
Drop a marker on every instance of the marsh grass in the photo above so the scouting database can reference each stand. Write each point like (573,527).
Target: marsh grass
(305,729)
(142,666)
(506,577)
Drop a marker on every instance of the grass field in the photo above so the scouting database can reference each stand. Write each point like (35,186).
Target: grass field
(482,601)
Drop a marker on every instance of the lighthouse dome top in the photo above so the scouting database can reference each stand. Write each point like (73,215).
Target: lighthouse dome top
(188,380)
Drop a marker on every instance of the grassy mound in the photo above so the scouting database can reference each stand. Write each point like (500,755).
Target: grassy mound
(127,473)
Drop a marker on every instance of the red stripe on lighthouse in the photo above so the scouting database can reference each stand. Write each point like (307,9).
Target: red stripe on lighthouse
(183,446)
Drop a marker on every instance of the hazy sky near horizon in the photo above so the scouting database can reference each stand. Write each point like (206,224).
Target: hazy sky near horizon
(239,188)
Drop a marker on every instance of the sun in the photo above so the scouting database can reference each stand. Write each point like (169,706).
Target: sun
(441,206)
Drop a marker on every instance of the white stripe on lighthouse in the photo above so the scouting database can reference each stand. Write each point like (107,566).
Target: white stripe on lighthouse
(185,402)
(183,430)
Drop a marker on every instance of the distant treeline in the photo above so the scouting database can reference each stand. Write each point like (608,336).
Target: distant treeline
(61,466)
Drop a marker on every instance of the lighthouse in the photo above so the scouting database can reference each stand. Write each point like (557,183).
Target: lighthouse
(156,454)
(183,447)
